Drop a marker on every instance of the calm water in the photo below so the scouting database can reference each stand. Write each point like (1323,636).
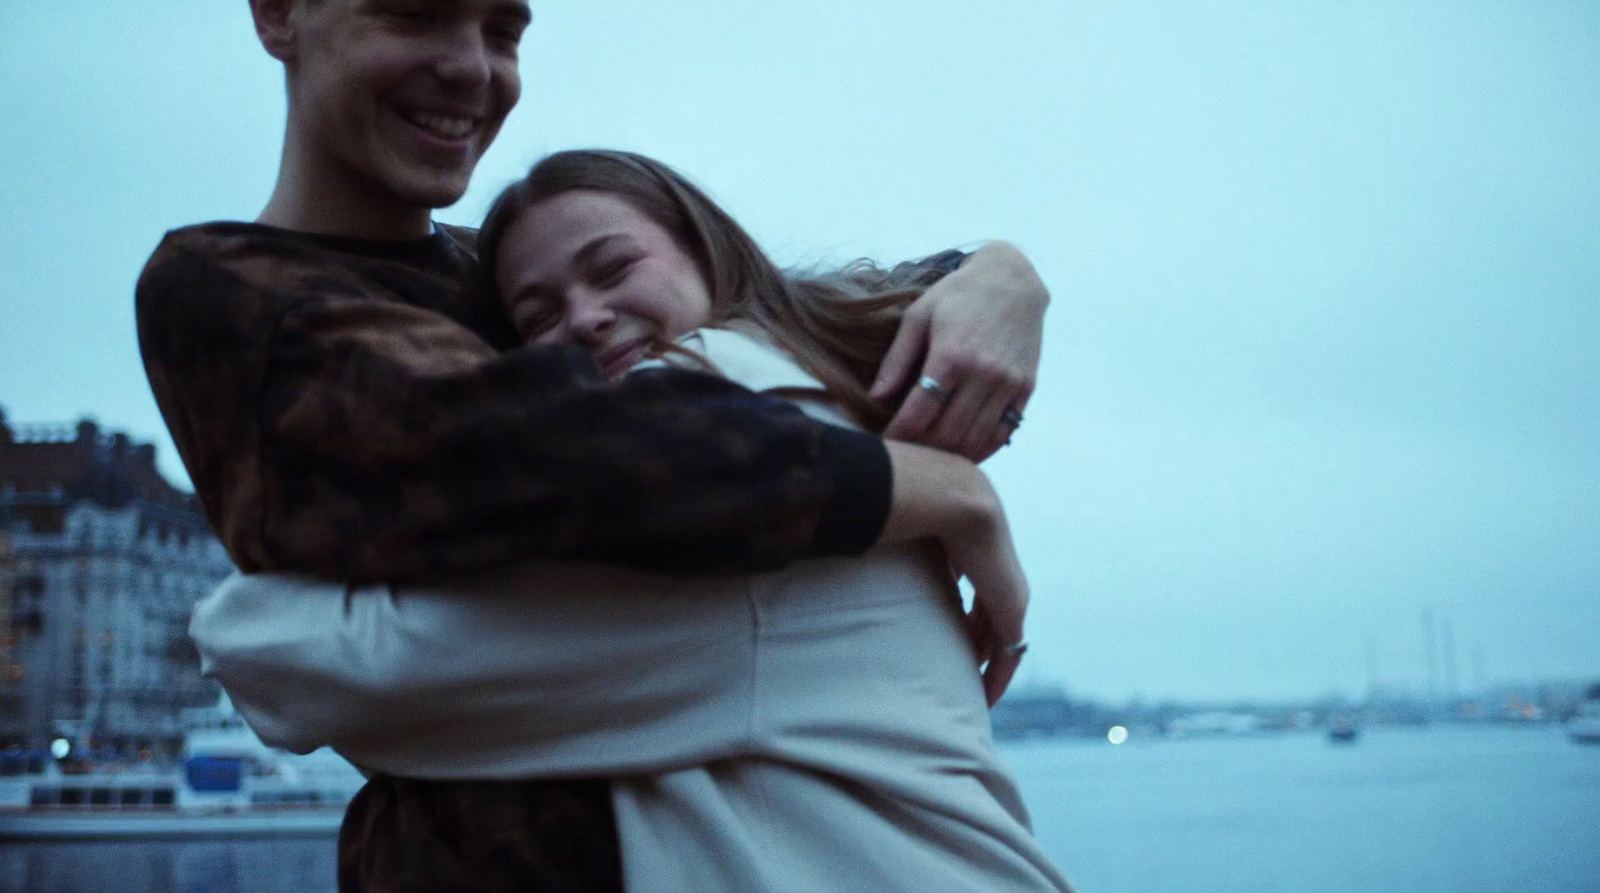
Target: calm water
(1442,811)
(1439,811)
(287,865)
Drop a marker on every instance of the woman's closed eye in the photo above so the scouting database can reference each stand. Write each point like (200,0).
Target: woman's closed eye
(610,271)
(536,316)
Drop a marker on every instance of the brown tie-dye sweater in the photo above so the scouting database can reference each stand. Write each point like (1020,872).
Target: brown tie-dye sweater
(350,409)
(357,410)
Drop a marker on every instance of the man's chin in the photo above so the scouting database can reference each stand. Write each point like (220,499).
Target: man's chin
(429,189)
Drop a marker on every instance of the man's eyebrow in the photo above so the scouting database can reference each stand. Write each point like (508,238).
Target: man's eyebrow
(521,12)
(513,9)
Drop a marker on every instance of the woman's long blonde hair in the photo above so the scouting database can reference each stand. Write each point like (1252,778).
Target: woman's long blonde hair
(837,326)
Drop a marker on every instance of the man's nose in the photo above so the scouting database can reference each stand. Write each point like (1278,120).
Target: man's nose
(463,60)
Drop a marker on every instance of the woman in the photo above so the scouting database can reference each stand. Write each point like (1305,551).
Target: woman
(816,728)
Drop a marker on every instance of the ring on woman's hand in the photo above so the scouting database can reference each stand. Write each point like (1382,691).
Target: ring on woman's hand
(1017,650)
(934,388)
(1012,418)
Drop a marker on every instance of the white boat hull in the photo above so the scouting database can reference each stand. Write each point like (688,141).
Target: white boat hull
(85,825)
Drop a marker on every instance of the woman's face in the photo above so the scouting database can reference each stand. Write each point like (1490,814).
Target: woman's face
(588,268)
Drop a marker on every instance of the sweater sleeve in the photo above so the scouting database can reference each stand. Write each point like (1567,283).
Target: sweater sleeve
(350,438)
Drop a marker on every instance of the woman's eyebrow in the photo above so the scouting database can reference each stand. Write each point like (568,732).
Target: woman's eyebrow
(585,256)
(533,291)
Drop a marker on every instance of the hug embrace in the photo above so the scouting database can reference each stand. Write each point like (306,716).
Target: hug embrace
(617,557)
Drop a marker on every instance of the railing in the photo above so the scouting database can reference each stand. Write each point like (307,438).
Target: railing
(52,432)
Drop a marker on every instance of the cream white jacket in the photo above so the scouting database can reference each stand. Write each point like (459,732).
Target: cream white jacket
(819,728)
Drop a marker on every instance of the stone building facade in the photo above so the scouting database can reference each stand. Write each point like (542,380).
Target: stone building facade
(106,558)
(10,670)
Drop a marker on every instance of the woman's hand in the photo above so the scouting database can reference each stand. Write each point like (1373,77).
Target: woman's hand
(977,334)
(947,498)
(988,559)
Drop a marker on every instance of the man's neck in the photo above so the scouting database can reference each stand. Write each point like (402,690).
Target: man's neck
(311,198)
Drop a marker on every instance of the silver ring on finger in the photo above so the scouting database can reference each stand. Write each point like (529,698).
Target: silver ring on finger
(1012,418)
(1017,650)
(936,390)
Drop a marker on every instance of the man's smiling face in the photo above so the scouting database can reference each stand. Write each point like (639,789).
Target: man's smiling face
(405,95)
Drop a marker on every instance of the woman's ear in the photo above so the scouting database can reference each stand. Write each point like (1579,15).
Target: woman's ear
(275,26)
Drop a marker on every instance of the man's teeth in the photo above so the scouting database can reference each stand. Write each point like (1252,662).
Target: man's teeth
(442,125)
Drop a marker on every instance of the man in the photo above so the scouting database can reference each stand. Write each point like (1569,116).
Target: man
(349,408)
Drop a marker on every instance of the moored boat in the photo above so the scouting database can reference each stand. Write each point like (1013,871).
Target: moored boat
(1584,726)
(1343,730)
(228,784)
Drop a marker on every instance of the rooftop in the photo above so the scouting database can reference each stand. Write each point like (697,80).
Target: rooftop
(80,461)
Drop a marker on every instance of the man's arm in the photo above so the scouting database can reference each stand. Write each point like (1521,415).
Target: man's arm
(534,454)
(351,438)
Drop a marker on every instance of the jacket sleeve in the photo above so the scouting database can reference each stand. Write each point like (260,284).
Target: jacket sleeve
(387,442)
(547,668)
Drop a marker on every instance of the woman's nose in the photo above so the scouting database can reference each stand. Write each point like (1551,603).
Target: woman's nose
(590,320)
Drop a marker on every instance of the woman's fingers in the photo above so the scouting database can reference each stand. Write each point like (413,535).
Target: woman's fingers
(916,415)
(956,422)
(1000,604)
(982,635)
(930,393)
(903,357)
(998,675)
(996,665)
(998,438)
(977,333)
(962,412)
(980,548)
(988,427)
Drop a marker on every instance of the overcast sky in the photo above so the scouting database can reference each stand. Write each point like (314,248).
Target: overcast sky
(1325,342)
